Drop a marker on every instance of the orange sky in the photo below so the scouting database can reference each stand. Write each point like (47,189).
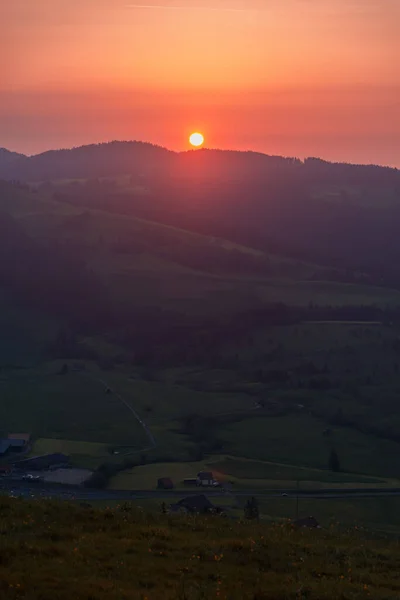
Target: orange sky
(294,77)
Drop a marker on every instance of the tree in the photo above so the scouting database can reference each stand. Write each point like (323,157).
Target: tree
(251,509)
(334,463)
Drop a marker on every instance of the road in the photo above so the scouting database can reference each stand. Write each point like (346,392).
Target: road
(26,489)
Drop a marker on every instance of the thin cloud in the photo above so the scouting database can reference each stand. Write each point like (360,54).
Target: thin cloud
(203,8)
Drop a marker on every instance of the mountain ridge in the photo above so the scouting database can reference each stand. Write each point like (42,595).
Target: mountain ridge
(142,158)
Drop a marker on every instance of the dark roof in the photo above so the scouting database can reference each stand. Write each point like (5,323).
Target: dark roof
(205,475)
(16,443)
(198,503)
(20,436)
(4,446)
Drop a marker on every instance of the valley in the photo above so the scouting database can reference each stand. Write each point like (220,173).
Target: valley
(231,357)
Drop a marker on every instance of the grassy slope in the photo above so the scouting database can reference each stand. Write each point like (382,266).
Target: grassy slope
(245,474)
(74,407)
(281,439)
(55,407)
(154,269)
(114,555)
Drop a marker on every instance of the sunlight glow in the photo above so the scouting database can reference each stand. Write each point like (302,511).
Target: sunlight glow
(196,139)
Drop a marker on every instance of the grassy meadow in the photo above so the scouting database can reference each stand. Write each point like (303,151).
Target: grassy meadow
(71,407)
(280,439)
(114,553)
(281,396)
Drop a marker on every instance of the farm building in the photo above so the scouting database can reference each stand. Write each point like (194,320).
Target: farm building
(16,445)
(194,504)
(46,461)
(165,483)
(4,447)
(206,478)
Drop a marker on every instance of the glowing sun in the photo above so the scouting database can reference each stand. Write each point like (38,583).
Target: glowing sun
(196,139)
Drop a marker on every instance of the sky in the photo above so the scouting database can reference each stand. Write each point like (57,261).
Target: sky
(290,77)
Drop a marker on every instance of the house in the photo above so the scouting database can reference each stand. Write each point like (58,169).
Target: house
(17,445)
(205,478)
(194,504)
(165,483)
(309,522)
(4,447)
(44,462)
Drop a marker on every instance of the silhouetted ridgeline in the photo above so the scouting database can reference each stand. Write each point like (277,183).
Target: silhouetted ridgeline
(96,160)
(120,158)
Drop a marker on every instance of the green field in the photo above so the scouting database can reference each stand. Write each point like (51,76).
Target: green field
(83,454)
(242,474)
(252,472)
(263,392)
(146,476)
(72,407)
(75,407)
(280,439)
(379,515)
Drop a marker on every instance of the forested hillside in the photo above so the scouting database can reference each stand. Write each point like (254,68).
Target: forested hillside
(340,216)
(231,287)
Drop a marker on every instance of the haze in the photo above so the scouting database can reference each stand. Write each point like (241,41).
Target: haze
(291,77)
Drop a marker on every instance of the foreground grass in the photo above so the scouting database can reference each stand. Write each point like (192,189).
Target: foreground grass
(52,550)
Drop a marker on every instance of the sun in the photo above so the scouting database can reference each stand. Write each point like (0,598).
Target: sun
(196,139)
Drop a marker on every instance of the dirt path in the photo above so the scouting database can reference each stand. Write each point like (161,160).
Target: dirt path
(150,436)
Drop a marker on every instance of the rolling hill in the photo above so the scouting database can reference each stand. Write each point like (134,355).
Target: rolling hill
(96,160)
(339,216)
(172,289)
(7,161)
(140,158)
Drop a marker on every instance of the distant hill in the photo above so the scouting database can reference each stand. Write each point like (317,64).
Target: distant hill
(148,160)
(96,160)
(342,217)
(7,161)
